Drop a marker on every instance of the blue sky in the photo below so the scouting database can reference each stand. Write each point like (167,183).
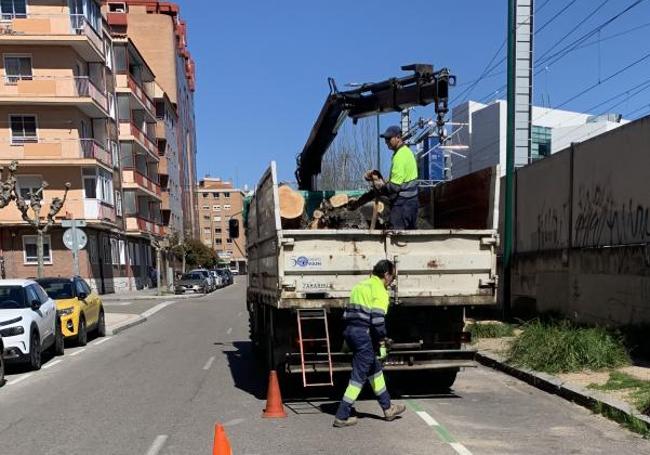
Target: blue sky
(262,65)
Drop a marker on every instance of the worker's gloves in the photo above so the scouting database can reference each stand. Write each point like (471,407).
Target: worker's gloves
(383,351)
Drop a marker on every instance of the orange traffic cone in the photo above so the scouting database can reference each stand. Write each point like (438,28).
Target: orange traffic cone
(274,408)
(221,444)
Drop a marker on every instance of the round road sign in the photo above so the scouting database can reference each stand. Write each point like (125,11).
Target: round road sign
(82,239)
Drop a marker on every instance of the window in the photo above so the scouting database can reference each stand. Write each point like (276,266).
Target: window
(40,292)
(30,250)
(206,207)
(122,248)
(78,287)
(17,68)
(30,292)
(215,195)
(117,7)
(206,217)
(90,183)
(98,184)
(228,240)
(217,218)
(216,208)
(23,129)
(206,230)
(205,195)
(118,203)
(115,152)
(13,9)
(217,231)
(115,251)
(226,195)
(217,241)
(227,207)
(29,184)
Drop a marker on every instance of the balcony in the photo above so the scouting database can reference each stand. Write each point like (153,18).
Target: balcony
(94,209)
(130,132)
(72,30)
(80,92)
(56,152)
(144,226)
(134,179)
(127,84)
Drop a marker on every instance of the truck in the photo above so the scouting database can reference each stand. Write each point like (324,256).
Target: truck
(299,280)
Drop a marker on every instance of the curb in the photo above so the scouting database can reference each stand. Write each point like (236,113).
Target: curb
(590,399)
(151,297)
(121,327)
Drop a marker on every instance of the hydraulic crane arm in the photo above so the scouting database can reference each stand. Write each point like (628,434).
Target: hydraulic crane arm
(421,88)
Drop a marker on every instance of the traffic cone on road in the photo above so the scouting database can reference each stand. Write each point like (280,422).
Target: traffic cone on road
(221,444)
(274,408)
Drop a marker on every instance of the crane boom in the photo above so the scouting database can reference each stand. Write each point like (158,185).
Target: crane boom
(421,88)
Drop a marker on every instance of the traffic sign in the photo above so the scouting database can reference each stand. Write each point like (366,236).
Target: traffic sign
(70,223)
(72,243)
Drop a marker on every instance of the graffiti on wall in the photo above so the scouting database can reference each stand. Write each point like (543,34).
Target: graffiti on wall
(603,221)
(552,228)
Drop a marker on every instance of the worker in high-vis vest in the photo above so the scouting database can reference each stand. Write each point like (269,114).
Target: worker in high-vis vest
(365,335)
(402,186)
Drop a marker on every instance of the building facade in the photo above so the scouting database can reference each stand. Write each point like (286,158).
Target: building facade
(219,202)
(552,130)
(158,32)
(82,106)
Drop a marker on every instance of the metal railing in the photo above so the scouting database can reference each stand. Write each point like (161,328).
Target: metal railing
(21,85)
(32,147)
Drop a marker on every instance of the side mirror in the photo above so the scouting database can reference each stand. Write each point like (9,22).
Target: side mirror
(36,304)
(233,228)
(82,296)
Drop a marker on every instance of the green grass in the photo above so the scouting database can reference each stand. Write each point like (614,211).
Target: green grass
(560,347)
(491,330)
(628,421)
(640,390)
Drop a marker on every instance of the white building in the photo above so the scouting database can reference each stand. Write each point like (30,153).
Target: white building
(485,134)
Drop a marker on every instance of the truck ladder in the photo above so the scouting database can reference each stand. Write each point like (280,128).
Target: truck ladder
(314,315)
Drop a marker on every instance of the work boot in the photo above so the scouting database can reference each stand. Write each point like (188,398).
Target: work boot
(393,411)
(340,423)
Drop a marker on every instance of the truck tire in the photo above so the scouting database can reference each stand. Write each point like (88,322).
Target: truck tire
(442,380)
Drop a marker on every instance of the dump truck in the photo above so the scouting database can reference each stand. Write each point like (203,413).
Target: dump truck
(299,280)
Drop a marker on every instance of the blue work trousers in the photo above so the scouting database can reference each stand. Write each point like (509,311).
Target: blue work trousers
(404,213)
(365,367)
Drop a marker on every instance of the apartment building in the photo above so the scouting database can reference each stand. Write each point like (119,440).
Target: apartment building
(58,119)
(156,29)
(219,201)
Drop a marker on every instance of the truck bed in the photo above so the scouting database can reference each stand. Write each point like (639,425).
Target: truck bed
(318,268)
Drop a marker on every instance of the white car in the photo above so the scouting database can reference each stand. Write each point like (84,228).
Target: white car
(28,322)
(217,279)
(212,284)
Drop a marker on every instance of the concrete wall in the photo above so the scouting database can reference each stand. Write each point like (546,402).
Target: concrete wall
(583,230)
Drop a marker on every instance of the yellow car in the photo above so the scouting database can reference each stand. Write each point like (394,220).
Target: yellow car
(80,309)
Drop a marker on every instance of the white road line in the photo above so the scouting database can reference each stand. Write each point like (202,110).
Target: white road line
(151,311)
(459,448)
(102,341)
(51,364)
(157,445)
(208,364)
(77,352)
(428,419)
(20,379)
(229,331)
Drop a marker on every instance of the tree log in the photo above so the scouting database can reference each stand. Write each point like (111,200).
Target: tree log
(339,200)
(292,207)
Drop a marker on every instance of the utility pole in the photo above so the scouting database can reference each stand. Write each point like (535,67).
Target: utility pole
(41,226)
(378,145)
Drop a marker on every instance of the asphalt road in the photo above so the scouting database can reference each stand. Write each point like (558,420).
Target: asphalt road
(158,388)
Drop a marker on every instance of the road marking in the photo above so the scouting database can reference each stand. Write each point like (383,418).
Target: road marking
(229,331)
(440,430)
(50,365)
(102,341)
(20,379)
(151,311)
(208,364)
(77,352)
(117,303)
(158,444)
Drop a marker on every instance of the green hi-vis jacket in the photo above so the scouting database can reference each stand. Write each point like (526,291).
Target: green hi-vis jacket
(403,174)
(368,306)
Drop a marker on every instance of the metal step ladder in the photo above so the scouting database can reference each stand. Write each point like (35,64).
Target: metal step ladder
(314,315)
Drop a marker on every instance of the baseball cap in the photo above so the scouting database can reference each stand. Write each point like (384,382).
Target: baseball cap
(392,131)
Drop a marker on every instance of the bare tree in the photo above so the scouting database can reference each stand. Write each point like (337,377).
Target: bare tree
(7,186)
(350,155)
(35,202)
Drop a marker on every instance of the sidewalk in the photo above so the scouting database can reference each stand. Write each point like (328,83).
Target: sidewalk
(117,322)
(146,294)
(614,404)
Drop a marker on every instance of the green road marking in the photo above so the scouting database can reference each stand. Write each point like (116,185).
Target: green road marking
(443,434)
(414,405)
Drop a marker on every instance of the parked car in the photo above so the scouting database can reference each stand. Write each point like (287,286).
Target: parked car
(212,285)
(222,275)
(2,363)
(217,279)
(81,310)
(228,275)
(234,271)
(192,282)
(28,322)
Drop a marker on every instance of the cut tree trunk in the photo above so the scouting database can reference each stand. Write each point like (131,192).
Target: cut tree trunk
(292,207)
(339,200)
